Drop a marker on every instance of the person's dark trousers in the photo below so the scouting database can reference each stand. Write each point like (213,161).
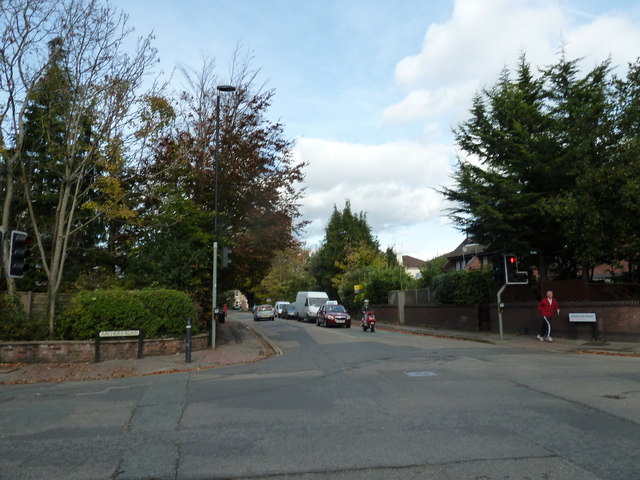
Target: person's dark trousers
(545,327)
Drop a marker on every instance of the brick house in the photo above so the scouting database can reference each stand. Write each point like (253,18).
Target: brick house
(468,256)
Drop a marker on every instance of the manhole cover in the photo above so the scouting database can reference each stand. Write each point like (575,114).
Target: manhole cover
(426,373)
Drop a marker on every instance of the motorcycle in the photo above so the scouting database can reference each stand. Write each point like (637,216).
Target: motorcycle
(368,321)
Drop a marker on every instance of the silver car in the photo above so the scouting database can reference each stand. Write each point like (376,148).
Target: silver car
(264,312)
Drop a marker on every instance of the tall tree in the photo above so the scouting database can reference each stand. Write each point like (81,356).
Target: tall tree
(624,171)
(538,176)
(257,210)
(25,28)
(89,90)
(345,233)
(510,169)
(583,130)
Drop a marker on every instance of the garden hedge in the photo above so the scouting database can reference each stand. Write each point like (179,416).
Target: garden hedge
(159,313)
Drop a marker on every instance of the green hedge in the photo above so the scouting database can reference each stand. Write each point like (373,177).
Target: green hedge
(157,312)
(463,288)
(14,325)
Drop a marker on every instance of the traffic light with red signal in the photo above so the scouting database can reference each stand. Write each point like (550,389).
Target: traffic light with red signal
(513,276)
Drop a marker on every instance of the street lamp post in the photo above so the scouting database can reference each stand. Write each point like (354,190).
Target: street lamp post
(214,286)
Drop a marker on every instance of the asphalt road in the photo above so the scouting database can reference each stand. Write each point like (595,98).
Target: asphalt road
(338,404)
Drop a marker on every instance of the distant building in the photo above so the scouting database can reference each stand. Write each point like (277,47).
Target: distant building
(473,256)
(411,265)
(240,301)
(468,256)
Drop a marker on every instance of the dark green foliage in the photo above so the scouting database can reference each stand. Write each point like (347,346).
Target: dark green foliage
(431,269)
(170,306)
(375,283)
(461,287)
(382,281)
(551,167)
(14,324)
(157,312)
(344,232)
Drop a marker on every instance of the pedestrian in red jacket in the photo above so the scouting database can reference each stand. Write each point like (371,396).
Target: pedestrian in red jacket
(546,307)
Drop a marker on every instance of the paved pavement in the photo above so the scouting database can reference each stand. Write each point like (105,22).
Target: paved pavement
(241,343)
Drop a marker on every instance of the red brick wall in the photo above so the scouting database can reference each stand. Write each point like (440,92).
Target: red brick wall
(84,351)
(615,320)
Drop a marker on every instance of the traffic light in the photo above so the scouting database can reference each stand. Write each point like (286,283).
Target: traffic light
(498,269)
(226,257)
(18,253)
(513,276)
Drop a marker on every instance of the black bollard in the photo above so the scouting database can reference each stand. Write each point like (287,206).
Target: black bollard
(188,342)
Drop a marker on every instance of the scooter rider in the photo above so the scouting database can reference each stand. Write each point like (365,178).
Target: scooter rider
(365,310)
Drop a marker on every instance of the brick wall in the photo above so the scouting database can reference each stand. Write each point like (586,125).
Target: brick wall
(615,320)
(84,351)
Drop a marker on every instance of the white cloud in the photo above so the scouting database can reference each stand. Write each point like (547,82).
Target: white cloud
(392,183)
(447,102)
(467,52)
(479,38)
(605,36)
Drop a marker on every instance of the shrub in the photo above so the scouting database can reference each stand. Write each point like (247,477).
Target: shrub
(463,287)
(14,324)
(156,312)
(170,307)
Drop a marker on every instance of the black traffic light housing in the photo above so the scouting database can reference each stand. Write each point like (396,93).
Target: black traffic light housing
(513,276)
(226,257)
(18,253)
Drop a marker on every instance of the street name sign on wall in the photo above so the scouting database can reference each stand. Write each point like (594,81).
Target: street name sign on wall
(119,333)
(582,317)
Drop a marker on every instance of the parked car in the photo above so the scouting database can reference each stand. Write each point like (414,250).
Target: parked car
(280,309)
(331,313)
(290,311)
(264,312)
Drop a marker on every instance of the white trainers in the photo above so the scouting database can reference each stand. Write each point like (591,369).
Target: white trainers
(549,339)
(540,338)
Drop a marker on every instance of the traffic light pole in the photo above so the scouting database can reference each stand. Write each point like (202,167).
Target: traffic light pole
(214,286)
(500,308)
(214,296)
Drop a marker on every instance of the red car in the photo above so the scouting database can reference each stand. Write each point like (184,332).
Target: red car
(333,314)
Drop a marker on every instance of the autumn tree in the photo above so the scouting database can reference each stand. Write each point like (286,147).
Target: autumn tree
(287,276)
(258,192)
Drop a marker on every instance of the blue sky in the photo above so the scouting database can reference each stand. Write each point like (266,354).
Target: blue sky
(370,89)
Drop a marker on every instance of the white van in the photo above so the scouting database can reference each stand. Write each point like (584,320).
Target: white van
(308,303)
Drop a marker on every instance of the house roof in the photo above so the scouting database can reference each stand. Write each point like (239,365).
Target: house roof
(472,248)
(467,250)
(411,262)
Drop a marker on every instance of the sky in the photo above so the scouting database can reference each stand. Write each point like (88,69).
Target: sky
(371,90)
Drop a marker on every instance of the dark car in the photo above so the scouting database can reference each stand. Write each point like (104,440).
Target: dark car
(290,311)
(333,314)
(264,312)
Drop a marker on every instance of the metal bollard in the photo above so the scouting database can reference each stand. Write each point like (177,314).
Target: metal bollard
(188,342)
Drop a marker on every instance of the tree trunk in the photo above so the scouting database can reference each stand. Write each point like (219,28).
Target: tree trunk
(6,212)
